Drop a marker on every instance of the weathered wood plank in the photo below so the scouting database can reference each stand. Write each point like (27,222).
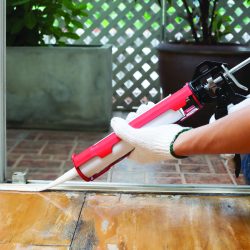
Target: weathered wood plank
(47,218)
(30,247)
(163,222)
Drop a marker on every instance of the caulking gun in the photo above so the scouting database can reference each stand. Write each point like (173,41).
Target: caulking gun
(212,82)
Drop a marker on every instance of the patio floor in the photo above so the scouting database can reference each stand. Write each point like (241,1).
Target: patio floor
(46,155)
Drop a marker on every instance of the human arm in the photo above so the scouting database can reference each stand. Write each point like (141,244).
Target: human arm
(230,134)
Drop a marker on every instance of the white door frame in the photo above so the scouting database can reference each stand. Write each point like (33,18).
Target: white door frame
(2,92)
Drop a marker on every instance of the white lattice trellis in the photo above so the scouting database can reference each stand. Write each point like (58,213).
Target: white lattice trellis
(135,29)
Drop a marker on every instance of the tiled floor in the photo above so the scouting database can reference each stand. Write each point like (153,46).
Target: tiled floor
(46,155)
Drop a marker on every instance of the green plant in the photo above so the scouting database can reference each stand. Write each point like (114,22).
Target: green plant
(29,21)
(206,22)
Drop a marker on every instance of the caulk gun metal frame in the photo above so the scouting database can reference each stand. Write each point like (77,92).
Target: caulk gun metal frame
(210,82)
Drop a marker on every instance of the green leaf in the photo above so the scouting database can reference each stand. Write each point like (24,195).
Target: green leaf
(61,43)
(67,17)
(17,27)
(77,24)
(18,2)
(69,28)
(77,12)
(219,22)
(68,4)
(81,6)
(56,32)
(30,20)
(60,13)
(83,14)
(71,35)
(226,19)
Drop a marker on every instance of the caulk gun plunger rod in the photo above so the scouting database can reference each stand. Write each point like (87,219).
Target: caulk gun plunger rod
(235,69)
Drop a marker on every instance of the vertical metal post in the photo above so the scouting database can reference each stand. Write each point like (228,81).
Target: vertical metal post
(163,20)
(2,92)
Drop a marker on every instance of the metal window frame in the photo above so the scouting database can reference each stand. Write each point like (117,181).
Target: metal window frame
(168,189)
(2,92)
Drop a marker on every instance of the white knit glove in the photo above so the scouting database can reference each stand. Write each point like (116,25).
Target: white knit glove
(152,144)
(231,109)
(141,109)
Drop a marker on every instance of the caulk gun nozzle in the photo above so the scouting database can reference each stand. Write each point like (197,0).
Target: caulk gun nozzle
(65,177)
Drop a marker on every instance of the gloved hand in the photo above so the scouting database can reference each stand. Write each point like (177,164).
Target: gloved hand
(152,144)
(141,109)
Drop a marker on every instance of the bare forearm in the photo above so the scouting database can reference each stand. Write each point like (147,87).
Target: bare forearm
(230,134)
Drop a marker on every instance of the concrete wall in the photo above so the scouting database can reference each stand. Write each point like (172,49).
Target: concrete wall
(59,87)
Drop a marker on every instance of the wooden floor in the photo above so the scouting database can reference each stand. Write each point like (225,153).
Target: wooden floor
(75,220)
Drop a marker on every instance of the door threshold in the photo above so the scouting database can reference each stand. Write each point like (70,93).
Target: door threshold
(131,188)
